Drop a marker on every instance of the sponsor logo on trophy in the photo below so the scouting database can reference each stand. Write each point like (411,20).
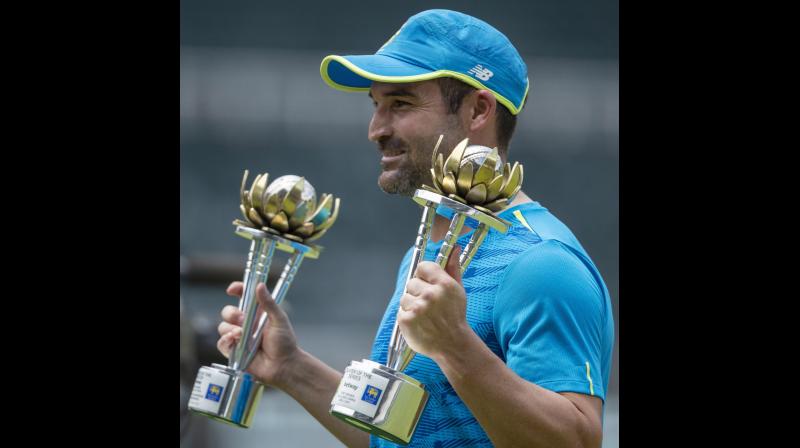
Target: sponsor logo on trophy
(283,215)
(473,184)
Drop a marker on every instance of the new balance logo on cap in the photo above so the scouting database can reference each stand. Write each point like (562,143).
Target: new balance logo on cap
(481,73)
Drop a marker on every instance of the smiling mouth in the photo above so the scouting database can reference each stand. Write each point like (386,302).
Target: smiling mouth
(389,157)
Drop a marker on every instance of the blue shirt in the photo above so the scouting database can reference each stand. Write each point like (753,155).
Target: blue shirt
(537,301)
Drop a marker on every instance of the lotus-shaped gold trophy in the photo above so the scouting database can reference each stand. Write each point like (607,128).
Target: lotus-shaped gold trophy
(473,184)
(283,215)
(475,175)
(287,207)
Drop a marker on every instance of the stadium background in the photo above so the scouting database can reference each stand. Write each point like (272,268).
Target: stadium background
(251,98)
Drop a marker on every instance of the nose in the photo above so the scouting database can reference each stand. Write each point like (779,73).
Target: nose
(379,127)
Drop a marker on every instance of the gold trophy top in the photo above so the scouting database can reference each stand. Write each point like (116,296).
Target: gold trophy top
(475,175)
(287,208)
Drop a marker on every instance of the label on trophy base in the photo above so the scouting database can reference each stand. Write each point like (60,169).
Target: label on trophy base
(360,390)
(208,388)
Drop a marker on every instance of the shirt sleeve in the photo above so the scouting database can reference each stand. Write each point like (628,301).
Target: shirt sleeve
(548,318)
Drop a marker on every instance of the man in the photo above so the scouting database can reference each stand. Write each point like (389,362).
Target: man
(517,352)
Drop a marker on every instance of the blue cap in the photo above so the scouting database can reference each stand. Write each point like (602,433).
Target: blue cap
(434,44)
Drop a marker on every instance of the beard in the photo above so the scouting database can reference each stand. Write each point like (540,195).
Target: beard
(405,176)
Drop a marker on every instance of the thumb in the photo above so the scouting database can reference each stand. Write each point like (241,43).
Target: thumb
(274,311)
(452,267)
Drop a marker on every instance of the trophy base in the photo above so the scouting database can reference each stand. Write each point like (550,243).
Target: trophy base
(226,395)
(380,400)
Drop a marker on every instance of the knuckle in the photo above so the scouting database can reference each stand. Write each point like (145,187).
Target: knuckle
(448,284)
(425,267)
(230,313)
(405,318)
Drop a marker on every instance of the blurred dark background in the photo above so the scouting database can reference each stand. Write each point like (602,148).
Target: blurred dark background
(251,97)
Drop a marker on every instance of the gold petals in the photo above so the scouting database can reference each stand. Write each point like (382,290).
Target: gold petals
(461,178)
(477,194)
(280,222)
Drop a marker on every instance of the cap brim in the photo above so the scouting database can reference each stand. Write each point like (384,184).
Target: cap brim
(356,73)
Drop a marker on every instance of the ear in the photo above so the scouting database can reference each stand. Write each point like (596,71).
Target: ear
(484,105)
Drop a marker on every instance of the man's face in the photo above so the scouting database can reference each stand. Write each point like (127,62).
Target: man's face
(406,124)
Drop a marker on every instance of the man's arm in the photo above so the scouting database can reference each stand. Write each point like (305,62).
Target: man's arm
(513,412)
(312,383)
(282,364)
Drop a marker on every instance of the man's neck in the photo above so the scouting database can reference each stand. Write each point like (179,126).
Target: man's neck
(441,224)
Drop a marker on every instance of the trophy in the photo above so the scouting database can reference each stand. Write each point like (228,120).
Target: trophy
(474,185)
(283,216)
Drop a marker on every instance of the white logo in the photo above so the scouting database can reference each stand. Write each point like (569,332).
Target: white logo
(481,73)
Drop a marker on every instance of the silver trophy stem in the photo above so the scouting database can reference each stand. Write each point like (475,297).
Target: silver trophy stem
(456,224)
(472,247)
(397,343)
(423,234)
(402,353)
(280,290)
(258,261)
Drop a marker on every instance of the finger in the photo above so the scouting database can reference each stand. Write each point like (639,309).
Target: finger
(226,342)
(235,289)
(224,328)
(232,315)
(452,267)
(430,272)
(405,317)
(275,312)
(415,286)
(407,302)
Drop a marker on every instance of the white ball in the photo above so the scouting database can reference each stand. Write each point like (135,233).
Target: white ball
(284,184)
(475,155)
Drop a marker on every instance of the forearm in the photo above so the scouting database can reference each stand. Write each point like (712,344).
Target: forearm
(513,411)
(312,383)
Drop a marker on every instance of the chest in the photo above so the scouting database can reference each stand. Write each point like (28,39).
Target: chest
(481,281)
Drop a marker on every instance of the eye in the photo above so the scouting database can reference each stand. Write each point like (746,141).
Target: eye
(399,103)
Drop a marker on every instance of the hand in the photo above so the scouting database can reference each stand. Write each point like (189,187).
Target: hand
(432,314)
(278,345)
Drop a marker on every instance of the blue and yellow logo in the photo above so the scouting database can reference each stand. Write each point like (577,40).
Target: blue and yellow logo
(214,392)
(371,395)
